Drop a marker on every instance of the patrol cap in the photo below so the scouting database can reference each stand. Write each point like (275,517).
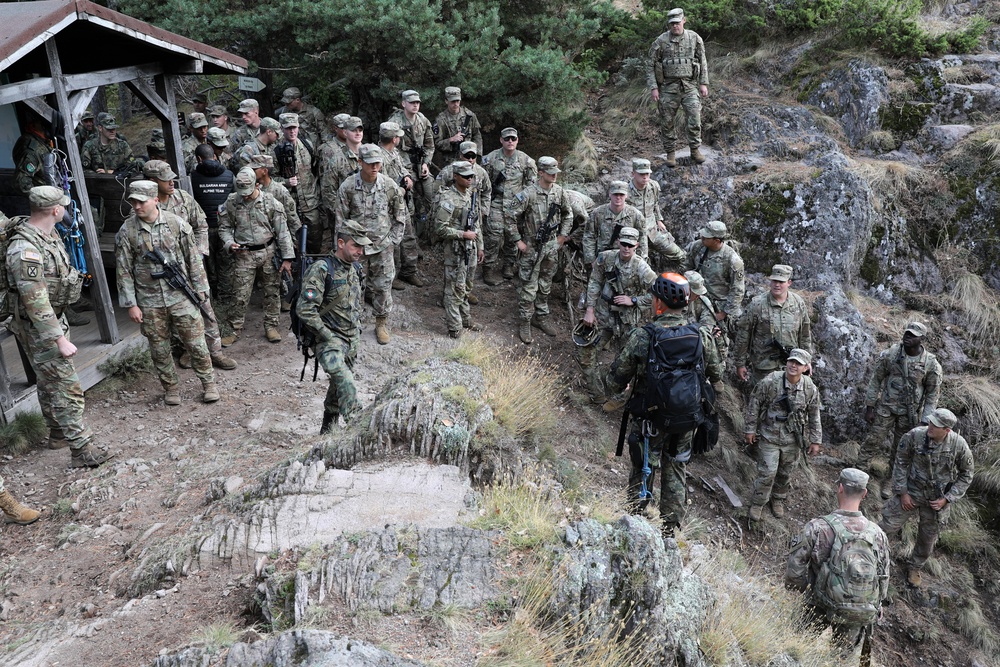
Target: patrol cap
(340,119)
(917,329)
(370,153)
(289,120)
(268,123)
(800,355)
(198,119)
(696,281)
(618,188)
(548,164)
(290,94)
(246,182)
(943,418)
(87,114)
(158,169)
(355,231)
(353,123)
(390,129)
(852,478)
(641,166)
(463,168)
(107,121)
(217,137)
(156,147)
(781,273)
(249,105)
(629,236)
(716,229)
(218,110)
(44,196)
(508,132)
(410,96)
(142,190)
(261,161)
(468,147)
(452,93)
(675,15)
(199,97)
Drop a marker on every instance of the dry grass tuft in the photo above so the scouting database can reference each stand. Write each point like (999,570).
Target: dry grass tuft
(978,397)
(976,302)
(217,636)
(525,510)
(973,624)
(964,74)
(580,166)
(27,430)
(890,178)
(880,141)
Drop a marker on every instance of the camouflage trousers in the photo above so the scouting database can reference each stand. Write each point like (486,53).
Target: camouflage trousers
(669,256)
(423,196)
(184,320)
(457,282)
(669,453)
(213,338)
(496,248)
(674,95)
(589,359)
(775,463)
(874,444)
(60,395)
(406,253)
(337,357)
(218,266)
(534,280)
(246,267)
(380,271)
(929,524)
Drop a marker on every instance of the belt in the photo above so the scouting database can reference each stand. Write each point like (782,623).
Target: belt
(251,248)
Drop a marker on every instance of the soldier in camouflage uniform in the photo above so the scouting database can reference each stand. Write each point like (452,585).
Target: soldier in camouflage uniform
(510,171)
(678,77)
(253,227)
(418,144)
(329,307)
(262,144)
(775,322)
(933,469)
(43,283)
(312,122)
(219,116)
(458,226)
(328,149)
(249,110)
(376,204)
(397,169)
(85,130)
(782,419)
(106,152)
(455,125)
(667,452)
(341,165)
(304,184)
(644,194)
(198,136)
(902,394)
(540,206)
(263,166)
(29,153)
(219,142)
(617,298)
(722,268)
(481,183)
(606,222)
(157,307)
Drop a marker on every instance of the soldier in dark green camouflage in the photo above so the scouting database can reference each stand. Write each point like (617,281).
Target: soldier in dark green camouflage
(106,152)
(29,151)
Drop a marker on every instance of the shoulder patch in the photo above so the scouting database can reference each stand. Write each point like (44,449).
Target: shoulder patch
(521,196)
(30,255)
(30,168)
(447,205)
(309,294)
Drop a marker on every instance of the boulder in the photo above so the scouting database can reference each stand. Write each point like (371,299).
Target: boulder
(853,96)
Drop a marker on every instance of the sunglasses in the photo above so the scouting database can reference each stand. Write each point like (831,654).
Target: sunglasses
(508,139)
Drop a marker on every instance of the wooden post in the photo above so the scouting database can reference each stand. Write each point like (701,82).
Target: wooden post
(164,84)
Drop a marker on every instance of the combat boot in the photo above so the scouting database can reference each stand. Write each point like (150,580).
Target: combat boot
(614,404)
(778,508)
(491,276)
(329,419)
(471,326)
(82,304)
(542,322)
(211,394)
(185,360)
(172,395)
(88,457)
(413,279)
(272,335)
(671,159)
(756,512)
(913,577)
(696,155)
(57,439)
(74,318)
(220,360)
(524,332)
(382,330)
(454,334)
(508,272)
(229,340)
(472,298)
(15,511)
(398,284)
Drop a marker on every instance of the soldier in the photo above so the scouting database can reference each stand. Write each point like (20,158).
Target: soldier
(617,296)
(539,220)
(722,268)
(678,74)
(85,130)
(668,451)
(312,122)
(212,184)
(901,395)
(644,194)
(455,125)
(376,204)
(220,119)
(933,469)
(199,103)
(329,148)
(418,143)
(157,307)
(15,512)
(263,166)
(484,193)
(45,283)
(338,168)
(304,184)
(252,225)
(395,168)
(156,149)
(198,136)
(606,222)
(510,172)
(775,322)
(262,144)
(782,419)
(819,549)
(701,309)
(219,142)
(29,154)
(106,152)
(458,225)
(329,307)
(249,110)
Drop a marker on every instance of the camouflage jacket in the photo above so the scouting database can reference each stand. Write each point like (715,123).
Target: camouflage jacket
(187,209)
(724,275)
(378,207)
(416,133)
(451,217)
(340,166)
(929,470)
(902,383)
(612,277)
(241,158)
(484,188)
(529,209)
(700,309)
(255,222)
(39,271)
(115,155)
(647,201)
(312,123)
(188,147)
(518,173)
(631,361)
(447,125)
(28,153)
(769,417)
(395,165)
(307,191)
(680,57)
(600,228)
(335,312)
(171,236)
(765,321)
(242,136)
(83,135)
(284,197)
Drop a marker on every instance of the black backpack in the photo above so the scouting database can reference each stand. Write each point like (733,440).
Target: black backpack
(675,380)
(305,338)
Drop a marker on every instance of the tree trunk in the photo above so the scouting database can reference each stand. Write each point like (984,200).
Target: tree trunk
(100,102)
(124,103)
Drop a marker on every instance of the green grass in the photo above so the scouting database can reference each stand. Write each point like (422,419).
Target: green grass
(27,430)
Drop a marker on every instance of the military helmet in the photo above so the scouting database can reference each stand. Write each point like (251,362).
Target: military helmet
(584,335)
(672,289)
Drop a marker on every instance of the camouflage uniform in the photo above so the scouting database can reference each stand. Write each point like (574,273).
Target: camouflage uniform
(765,321)
(448,125)
(525,215)
(164,308)
(417,134)
(284,197)
(519,172)
(484,197)
(83,135)
(671,257)
(725,281)
(669,452)
(678,67)
(312,123)
(306,193)
(45,283)
(380,210)
(260,224)
(599,232)
(927,470)
(242,136)
(241,158)
(115,155)
(338,168)
(460,256)
(29,152)
(782,434)
(188,147)
(407,251)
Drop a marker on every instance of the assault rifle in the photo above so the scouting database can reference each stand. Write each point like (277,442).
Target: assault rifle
(284,156)
(464,132)
(544,231)
(778,351)
(470,226)
(417,155)
(498,182)
(175,277)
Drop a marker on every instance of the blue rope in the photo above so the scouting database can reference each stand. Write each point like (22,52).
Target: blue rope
(644,493)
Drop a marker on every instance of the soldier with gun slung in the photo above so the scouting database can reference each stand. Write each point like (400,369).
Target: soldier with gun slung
(482,185)
(455,125)
(782,419)
(606,222)
(341,164)
(418,143)
(458,226)
(298,166)
(722,268)
(539,219)
(156,258)
(107,152)
(775,323)
(396,167)
(312,122)
(510,171)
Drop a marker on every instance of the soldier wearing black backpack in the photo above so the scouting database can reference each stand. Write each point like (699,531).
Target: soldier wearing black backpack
(666,362)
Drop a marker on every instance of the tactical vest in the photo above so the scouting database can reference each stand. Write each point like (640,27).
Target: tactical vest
(62,281)
(680,64)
